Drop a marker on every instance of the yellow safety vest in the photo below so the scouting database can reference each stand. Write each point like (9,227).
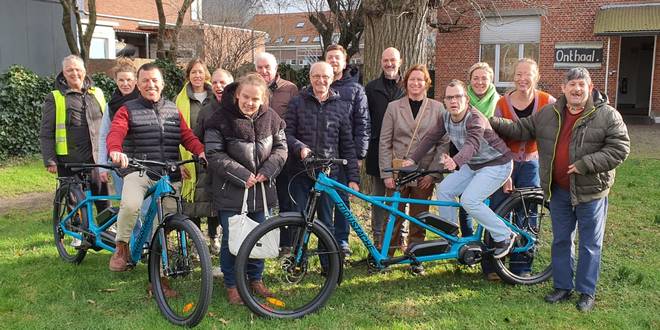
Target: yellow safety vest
(187,185)
(61,148)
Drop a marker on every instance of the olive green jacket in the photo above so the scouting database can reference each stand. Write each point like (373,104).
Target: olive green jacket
(599,143)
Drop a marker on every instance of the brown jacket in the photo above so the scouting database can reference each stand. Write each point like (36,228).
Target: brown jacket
(397,131)
(281,92)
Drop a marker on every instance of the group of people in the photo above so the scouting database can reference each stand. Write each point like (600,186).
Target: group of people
(255,133)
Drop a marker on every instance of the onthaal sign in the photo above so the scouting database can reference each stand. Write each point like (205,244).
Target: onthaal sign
(573,54)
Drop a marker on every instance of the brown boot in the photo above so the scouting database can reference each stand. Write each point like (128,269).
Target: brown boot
(233,297)
(119,259)
(167,290)
(259,288)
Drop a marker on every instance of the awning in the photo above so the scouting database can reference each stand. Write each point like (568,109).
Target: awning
(628,19)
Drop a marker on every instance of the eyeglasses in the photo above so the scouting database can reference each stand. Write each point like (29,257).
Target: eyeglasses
(457,97)
(318,76)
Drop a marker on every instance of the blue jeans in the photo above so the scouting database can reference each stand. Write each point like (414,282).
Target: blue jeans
(227,260)
(590,219)
(524,175)
(474,187)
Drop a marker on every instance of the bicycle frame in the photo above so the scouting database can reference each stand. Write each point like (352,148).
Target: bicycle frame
(160,189)
(330,186)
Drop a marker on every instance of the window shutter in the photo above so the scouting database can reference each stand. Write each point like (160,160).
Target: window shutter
(511,29)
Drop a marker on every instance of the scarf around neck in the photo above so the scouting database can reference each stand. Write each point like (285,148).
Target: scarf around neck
(485,105)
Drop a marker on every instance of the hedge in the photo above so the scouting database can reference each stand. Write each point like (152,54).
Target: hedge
(22,94)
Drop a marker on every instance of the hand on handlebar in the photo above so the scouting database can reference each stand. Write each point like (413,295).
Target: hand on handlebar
(305,152)
(448,162)
(425,182)
(389,183)
(51,169)
(119,158)
(185,174)
(354,186)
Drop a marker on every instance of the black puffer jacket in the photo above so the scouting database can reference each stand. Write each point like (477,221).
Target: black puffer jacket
(324,128)
(237,146)
(349,89)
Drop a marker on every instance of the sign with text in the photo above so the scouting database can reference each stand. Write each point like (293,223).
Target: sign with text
(573,54)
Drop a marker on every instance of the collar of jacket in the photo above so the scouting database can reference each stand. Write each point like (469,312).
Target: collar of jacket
(149,104)
(274,84)
(588,107)
(308,92)
(350,74)
(190,93)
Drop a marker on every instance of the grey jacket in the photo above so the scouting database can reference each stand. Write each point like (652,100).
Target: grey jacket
(599,143)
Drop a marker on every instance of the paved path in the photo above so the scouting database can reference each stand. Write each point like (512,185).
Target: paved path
(30,201)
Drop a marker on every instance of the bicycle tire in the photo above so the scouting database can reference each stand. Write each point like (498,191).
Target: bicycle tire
(529,212)
(64,198)
(310,281)
(187,275)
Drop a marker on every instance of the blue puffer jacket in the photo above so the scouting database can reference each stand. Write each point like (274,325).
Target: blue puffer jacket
(350,90)
(322,127)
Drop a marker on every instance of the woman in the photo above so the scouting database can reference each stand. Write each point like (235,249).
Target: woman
(195,94)
(405,123)
(522,102)
(125,79)
(246,148)
(483,97)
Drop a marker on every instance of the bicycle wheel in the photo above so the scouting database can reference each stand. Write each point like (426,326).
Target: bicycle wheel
(180,275)
(531,214)
(300,281)
(68,247)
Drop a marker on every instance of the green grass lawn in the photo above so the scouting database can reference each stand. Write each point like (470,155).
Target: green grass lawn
(22,176)
(38,290)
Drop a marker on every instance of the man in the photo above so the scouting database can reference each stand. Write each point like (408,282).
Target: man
(281,92)
(581,140)
(219,79)
(319,106)
(149,127)
(380,92)
(346,83)
(70,122)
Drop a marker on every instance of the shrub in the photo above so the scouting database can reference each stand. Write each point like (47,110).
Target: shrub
(300,77)
(174,78)
(22,93)
(105,83)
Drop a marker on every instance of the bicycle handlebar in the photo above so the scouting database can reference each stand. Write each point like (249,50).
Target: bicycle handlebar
(313,160)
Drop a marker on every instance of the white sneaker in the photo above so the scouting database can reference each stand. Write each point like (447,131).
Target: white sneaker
(217,273)
(76,242)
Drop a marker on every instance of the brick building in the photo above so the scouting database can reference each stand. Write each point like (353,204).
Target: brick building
(616,40)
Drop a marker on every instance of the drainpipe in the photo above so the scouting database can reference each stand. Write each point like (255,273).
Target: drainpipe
(607,66)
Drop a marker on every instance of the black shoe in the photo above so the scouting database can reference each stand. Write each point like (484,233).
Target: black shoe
(417,270)
(503,248)
(558,295)
(586,303)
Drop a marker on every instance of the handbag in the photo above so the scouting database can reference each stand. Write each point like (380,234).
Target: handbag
(240,225)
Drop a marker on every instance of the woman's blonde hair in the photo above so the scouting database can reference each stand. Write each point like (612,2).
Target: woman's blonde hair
(483,66)
(253,79)
(124,65)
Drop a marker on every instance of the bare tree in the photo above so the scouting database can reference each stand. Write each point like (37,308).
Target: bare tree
(404,24)
(345,16)
(78,48)
(172,35)
(229,48)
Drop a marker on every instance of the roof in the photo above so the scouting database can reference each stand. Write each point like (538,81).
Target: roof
(292,28)
(628,19)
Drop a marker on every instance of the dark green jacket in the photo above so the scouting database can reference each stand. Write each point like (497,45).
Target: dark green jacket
(599,143)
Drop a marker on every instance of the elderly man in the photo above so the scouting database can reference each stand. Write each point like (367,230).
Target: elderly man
(70,122)
(281,93)
(380,92)
(319,106)
(346,83)
(581,140)
(132,135)
(219,79)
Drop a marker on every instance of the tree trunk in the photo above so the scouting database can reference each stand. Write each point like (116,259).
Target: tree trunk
(80,45)
(399,24)
(162,22)
(66,26)
(174,41)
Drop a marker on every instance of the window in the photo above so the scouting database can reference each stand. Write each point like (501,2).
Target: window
(291,40)
(304,39)
(317,39)
(279,40)
(196,10)
(504,40)
(300,25)
(98,48)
